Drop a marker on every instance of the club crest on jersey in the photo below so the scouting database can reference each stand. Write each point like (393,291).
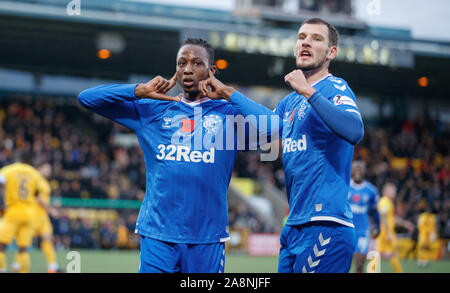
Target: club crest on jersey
(302,110)
(167,122)
(211,123)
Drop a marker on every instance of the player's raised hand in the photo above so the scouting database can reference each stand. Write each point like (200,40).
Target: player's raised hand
(157,89)
(297,81)
(214,88)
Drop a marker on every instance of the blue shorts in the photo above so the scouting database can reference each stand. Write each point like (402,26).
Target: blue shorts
(319,247)
(362,242)
(164,257)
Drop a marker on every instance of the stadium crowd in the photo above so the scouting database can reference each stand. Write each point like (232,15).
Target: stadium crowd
(87,163)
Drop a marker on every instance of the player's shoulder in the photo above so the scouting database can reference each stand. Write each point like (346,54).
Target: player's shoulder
(385,202)
(371,187)
(20,168)
(334,85)
(289,98)
(152,102)
(285,103)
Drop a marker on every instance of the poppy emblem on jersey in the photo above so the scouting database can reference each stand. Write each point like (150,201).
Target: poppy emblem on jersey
(211,123)
(187,126)
(356,197)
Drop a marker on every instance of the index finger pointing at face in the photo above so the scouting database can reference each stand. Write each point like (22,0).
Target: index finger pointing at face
(174,77)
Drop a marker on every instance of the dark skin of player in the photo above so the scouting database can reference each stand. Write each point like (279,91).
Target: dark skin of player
(193,66)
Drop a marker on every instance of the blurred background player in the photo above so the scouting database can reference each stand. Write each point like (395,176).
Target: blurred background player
(43,227)
(21,182)
(387,240)
(427,235)
(363,198)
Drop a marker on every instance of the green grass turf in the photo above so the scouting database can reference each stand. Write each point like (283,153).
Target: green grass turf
(105,261)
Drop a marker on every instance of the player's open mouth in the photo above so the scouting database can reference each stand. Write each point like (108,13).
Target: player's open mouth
(305,54)
(187,82)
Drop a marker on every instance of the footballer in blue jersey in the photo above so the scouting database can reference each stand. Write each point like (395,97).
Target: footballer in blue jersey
(363,197)
(183,220)
(320,124)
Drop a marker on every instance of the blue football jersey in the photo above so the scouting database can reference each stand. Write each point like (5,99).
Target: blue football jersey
(363,199)
(317,162)
(187,170)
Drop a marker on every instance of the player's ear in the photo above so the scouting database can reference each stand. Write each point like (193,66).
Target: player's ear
(213,70)
(332,53)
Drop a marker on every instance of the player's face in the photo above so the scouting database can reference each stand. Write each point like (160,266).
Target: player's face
(192,67)
(312,50)
(46,170)
(357,173)
(390,191)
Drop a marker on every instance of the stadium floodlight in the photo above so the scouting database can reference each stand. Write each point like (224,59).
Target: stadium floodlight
(423,81)
(103,54)
(222,64)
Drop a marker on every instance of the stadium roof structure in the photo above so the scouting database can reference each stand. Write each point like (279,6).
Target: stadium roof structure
(46,37)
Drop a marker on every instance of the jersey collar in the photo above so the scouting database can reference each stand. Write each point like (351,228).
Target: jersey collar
(325,77)
(356,185)
(193,103)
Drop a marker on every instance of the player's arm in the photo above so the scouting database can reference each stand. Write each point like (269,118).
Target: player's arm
(116,101)
(404,223)
(215,89)
(374,214)
(383,212)
(346,124)
(43,193)
(42,202)
(2,192)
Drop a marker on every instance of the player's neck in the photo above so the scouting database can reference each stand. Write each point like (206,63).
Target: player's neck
(316,74)
(193,96)
(358,182)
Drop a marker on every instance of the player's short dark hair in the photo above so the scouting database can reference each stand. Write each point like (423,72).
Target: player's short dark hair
(333,33)
(204,44)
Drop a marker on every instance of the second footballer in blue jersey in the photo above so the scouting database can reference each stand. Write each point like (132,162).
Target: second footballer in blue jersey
(321,123)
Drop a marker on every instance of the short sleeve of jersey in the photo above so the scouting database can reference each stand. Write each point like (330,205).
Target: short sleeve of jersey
(383,207)
(2,177)
(342,95)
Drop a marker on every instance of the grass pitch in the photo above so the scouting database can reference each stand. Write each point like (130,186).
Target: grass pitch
(106,261)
